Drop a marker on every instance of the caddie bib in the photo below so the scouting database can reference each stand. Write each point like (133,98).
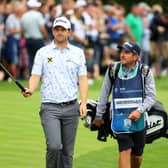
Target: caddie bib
(127,96)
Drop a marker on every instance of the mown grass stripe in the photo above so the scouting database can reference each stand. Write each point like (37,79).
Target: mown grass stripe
(22,143)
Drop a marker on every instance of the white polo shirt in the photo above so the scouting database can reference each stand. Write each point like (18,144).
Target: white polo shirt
(59,71)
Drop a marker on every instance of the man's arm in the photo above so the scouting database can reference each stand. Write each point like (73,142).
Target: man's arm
(83,88)
(104,96)
(33,83)
(44,32)
(150,93)
(103,99)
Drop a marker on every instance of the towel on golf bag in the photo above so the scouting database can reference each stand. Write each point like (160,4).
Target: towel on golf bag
(156,122)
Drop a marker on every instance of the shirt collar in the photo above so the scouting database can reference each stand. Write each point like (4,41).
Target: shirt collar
(54,46)
(126,69)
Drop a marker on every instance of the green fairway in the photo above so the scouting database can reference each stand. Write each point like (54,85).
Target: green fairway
(22,143)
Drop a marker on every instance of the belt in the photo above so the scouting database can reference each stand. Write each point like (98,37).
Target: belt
(68,102)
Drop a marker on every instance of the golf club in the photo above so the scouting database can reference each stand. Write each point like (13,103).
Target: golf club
(10,75)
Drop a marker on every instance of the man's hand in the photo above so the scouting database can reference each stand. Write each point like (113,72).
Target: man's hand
(135,115)
(27,92)
(98,122)
(83,111)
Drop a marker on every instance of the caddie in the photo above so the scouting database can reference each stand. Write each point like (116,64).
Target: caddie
(131,98)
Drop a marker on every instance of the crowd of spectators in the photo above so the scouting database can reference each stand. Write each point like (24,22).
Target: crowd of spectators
(98,28)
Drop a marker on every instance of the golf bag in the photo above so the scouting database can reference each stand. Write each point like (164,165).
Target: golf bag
(156,122)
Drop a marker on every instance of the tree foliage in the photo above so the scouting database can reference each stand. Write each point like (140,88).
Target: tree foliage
(127,4)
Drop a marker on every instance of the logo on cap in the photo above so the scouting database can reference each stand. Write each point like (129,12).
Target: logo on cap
(131,47)
(63,22)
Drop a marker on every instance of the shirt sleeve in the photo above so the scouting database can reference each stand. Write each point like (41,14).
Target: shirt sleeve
(37,66)
(127,20)
(82,64)
(150,93)
(104,96)
(41,20)
(10,23)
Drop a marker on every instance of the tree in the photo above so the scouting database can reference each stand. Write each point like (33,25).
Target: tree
(128,4)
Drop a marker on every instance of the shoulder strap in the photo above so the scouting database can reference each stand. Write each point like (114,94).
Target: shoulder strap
(144,72)
(115,66)
(113,71)
(144,69)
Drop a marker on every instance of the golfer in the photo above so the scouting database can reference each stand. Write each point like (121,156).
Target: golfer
(61,67)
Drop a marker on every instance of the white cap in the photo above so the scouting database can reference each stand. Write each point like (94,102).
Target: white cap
(63,22)
(69,12)
(80,3)
(33,3)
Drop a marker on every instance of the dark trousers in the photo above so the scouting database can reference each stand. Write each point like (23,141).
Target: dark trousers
(60,125)
(32,46)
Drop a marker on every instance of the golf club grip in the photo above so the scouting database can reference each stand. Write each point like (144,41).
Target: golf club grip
(20,86)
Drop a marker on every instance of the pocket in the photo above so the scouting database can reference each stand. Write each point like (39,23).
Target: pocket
(121,124)
(43,113)
(75,109)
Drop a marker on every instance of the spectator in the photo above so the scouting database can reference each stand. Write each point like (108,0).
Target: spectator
(159,43)
(34,30)
(146,45)
(135,25)
(92,20)
(44,9)
(78,26)
(13,33)
(92,65)
(106,60)
(64,6)
(23,64)
(114,27)
(7,11)
(49,21)
(2,27)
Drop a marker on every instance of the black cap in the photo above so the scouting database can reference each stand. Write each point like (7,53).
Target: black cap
(131,47)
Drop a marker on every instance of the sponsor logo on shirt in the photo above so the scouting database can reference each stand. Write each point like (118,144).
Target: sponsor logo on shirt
(50,59)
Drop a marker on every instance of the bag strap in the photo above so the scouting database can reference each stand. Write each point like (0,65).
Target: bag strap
(113,71)
(115,66)
(144,70)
